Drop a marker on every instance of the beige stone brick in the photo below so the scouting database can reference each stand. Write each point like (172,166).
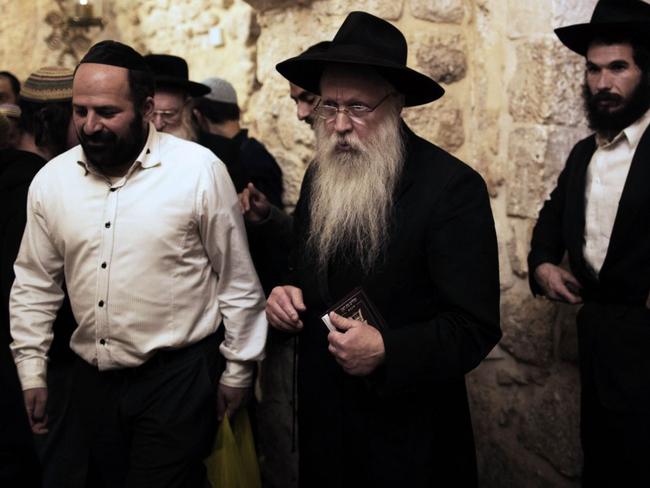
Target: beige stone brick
(447,11)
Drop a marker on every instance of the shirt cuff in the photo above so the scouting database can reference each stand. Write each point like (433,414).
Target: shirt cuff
(32,373)
(238,374)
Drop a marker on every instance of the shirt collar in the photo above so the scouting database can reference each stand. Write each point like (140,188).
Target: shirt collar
(632,133)
(148,157)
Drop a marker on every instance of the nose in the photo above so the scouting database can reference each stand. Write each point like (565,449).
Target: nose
(158,121)
(604,82)
(342,122)
(92,124)
(303,110)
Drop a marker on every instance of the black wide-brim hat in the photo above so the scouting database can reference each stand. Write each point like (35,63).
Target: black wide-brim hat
(627,17)
(364,40)
(172,71)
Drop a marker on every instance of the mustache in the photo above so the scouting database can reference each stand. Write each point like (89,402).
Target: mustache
(606,97)
(97,137)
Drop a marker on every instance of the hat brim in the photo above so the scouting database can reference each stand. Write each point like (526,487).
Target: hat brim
(193,88)
(578,37)
(306,71)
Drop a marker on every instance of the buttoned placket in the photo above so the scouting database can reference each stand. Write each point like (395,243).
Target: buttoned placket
(108,226)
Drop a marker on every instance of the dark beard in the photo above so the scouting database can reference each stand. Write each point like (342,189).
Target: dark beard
(106,150)
(611,123)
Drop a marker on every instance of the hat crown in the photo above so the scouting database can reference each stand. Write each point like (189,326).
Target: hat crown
(613,11)
(168,65)
(373,36)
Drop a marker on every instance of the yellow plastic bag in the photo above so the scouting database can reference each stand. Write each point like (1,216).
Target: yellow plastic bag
(233,462)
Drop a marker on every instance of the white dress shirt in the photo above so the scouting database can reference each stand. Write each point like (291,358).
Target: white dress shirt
(153,260)
(605,179)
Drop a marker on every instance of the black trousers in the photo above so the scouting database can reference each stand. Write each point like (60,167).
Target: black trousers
(151,426)
(615,436)
(62,452)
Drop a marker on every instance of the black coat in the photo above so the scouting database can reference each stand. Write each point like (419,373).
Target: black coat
(614,324)
(408,423)
(260,166)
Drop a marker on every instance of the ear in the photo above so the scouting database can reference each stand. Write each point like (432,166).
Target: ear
(147,109)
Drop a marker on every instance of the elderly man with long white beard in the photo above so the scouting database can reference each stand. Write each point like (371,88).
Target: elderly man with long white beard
(394,285)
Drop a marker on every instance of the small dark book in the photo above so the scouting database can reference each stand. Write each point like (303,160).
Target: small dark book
(356,306)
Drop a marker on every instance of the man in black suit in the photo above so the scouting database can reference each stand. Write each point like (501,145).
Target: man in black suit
(382,402)
(598,214)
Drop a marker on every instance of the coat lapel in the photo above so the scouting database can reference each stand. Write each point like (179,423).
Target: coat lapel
(575,206)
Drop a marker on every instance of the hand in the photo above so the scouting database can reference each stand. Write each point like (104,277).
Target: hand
(282,308)
(35,403)
(358,348)
(558,283)
(230,399)
(254,204)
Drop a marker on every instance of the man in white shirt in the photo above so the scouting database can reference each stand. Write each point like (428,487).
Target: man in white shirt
(147,231)
(598,214)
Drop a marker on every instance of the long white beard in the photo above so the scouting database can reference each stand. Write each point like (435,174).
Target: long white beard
(186,129)
(352,193)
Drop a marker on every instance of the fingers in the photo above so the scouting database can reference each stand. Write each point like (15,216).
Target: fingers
(562,292)
(35,404)
(296,298)
(221,404)
(280,310)
(343,323)
(230,399)
(245,200)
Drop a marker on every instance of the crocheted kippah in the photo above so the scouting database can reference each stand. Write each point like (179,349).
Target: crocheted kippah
(220,91)
(49,84)
(117,54)
(10,110)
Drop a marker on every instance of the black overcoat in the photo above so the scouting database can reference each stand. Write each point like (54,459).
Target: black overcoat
(437,288)
(614,324)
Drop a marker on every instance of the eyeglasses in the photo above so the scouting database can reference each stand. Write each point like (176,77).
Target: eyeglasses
(166,115)
(356,112)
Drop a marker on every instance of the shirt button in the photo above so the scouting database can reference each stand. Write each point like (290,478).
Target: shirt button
(101,303)
(107,225)
(104,265)
(102,341)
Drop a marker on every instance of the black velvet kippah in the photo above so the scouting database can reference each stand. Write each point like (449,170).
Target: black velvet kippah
(115,53)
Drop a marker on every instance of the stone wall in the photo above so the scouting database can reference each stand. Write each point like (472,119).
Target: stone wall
(512,111)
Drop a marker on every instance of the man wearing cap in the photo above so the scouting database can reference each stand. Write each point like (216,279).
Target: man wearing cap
(408,229)
(9,88)
(598,215)
(147,232)
(218,113)
(172,111)
(41,133)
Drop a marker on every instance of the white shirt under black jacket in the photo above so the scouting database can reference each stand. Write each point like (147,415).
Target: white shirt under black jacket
(605,179)
(152,260)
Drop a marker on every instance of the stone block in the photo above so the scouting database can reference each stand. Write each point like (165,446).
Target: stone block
(264,5)
(551,427)
(526,18)
(568,12)
(440,122)
(386,10)
(546,87)
(527,325)
(526,154)
(568,333)
(521,231)
(442,58)
(445,11)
